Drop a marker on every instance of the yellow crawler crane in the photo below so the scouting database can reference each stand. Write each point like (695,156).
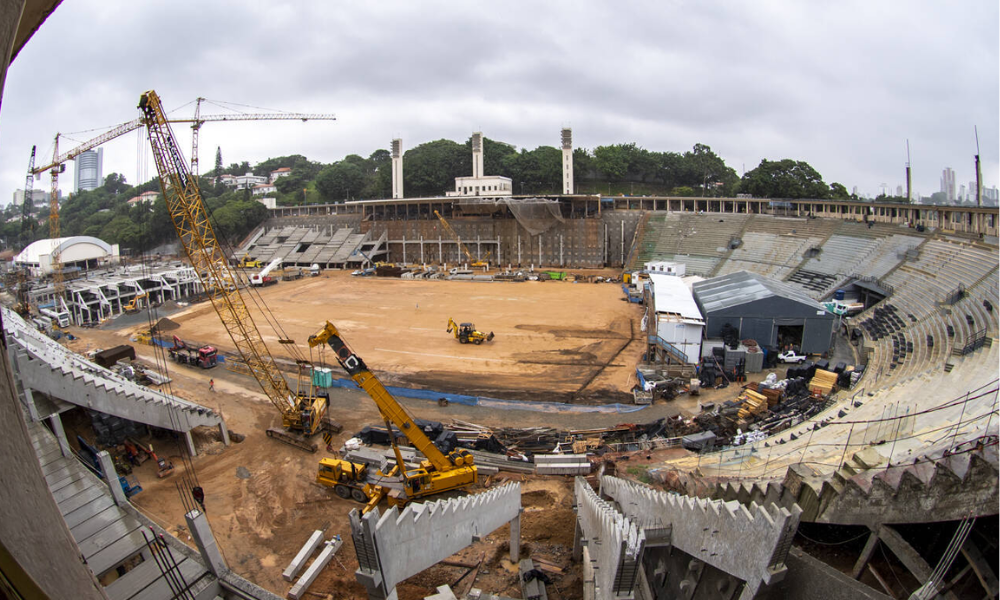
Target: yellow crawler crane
(302,411)
(435,474)
(468,255)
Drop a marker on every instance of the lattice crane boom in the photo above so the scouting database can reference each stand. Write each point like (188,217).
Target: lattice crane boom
(454,234)
(191,220)
(197,121)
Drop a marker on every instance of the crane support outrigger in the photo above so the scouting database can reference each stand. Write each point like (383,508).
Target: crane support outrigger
(438,472)
(302,411)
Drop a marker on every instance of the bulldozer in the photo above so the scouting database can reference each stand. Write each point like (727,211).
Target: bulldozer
(466,333)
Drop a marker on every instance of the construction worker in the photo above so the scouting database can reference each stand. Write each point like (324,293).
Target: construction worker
(211,385)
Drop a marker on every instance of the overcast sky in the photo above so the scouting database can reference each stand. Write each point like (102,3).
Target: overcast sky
(841,85)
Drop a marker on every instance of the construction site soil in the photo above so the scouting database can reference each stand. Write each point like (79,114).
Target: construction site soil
(555,340)
(260,495)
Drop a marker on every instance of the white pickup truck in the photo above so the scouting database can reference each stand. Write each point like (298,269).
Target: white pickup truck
(791,356)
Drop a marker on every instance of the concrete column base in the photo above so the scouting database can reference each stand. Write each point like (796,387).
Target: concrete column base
(201,531)
(57,428)
(224,432)
(190,444)
(515,539)
(111,478)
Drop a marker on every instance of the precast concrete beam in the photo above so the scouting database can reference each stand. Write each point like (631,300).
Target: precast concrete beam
(750,544)
(201,531)
(300,559)
(111,478)
(302,585)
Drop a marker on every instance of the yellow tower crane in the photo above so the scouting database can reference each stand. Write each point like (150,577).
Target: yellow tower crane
(58,164)
(302,412)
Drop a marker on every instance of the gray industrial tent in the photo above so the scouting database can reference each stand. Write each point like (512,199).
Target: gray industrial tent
(765,310)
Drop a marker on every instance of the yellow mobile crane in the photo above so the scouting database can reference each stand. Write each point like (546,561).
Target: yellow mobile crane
(302,411)
(436,474)
(473,262)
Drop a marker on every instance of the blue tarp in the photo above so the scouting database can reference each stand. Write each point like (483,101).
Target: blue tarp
(551,407)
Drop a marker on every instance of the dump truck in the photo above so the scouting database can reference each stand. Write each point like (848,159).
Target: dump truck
(205,357)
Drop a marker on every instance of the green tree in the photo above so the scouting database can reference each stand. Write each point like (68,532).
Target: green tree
(611,161)
(115,184)
(218,161)
(705,170)
(431,168)
(838,191)
(339,181)
(784,179)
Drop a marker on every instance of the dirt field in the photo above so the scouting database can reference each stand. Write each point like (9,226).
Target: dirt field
(555,341)
(263,504)
(261,498)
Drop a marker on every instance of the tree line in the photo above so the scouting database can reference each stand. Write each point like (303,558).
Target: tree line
(429,170)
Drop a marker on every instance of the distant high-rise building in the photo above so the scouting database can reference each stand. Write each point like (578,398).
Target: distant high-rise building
(899,191)
(89,170)
(948,184)
(37,197)
(854,190)
(961,193)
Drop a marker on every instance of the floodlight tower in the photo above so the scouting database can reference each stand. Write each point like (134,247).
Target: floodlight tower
(477,154)
(567,152)
(397,168)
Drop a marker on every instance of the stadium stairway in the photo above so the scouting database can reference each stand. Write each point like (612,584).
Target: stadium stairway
(43,365)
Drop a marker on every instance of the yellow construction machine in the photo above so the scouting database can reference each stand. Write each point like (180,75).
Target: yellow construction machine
(249,263)
(435,474)
(466,333)
(303,410)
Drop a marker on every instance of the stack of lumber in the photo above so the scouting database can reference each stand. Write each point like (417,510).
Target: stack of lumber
(773,396)
(753,404)
(822,382)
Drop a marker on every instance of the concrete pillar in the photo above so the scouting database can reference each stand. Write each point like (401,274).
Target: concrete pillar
(201,531)
(190,444)
(299,589)
(111,477)
(515,538)
(866,554)
(224,432)
(57,428)
(300,559)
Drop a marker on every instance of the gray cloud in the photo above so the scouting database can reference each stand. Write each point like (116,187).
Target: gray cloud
(840,85)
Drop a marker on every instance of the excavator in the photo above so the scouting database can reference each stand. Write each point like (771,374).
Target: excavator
(436,473)
(466,333)
(303,410)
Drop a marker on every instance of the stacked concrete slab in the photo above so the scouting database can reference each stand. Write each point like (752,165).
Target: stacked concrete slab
(749,543)
(399,544)
(562,464)
(614,543)
(43,365)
